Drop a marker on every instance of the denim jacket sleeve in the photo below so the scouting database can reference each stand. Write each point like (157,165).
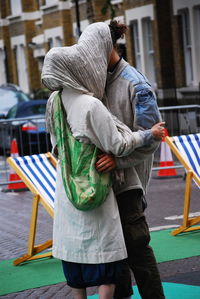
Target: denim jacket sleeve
(146,108)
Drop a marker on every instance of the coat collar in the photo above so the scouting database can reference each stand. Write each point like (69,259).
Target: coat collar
(111,76)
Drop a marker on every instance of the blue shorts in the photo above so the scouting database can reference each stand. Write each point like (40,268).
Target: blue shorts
(88,275)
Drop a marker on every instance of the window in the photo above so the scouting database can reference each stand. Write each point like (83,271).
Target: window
(2,67)
(16,7)
(50,43)
(58,42)
(22,68)
(187,46)
(136,45)
(197,41)
(148,49)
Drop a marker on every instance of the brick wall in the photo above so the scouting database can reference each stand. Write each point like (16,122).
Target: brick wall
(167,37)
(51,20)
(30,5)
(66,21)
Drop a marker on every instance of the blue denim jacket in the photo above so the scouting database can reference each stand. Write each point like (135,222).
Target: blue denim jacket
(147,113)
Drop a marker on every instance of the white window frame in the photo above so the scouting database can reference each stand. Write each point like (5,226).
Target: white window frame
(52,35)
(16,7)
(197,41)
(3,78)
(134,25)
(18,43)
(22,68)
(138,14)
(51,2)
(179,5)
(187,45)
(149,52)
(58,41)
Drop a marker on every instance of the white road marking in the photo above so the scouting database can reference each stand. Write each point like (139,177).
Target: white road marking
(157,228)
(181,216)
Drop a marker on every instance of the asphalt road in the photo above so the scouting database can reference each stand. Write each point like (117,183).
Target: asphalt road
(165,207)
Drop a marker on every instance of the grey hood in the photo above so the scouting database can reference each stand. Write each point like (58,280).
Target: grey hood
(82,66)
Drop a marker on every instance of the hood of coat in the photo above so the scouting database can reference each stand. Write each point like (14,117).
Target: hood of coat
(82,66)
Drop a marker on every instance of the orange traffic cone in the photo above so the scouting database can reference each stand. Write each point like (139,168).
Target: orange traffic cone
(166,160)
(13,177)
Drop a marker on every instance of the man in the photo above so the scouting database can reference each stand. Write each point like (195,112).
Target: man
(129,97)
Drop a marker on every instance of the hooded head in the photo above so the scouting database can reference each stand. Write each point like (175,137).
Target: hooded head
(82,66)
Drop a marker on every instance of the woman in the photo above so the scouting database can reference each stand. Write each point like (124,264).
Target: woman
(90,244)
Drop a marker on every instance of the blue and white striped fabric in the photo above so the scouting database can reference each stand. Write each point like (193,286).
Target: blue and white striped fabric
(41,173)
(189,147)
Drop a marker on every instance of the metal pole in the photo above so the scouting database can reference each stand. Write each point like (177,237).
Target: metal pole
(78,17)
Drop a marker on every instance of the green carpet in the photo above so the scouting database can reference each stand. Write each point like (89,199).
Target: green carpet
(172,291)
(168,248)
(44,272)
(29,275)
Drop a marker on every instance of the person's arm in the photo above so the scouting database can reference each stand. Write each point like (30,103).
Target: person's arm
(146,114)
(108,162)
(137,156)
(145,106)
(111,135)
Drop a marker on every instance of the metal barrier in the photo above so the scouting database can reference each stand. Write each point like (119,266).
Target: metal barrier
(179,120)
(31,138)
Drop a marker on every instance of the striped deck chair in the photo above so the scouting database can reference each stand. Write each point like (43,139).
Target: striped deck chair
(187,150)
(38,172)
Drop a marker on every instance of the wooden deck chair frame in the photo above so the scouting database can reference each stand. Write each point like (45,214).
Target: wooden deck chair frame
(189,223)
(33,249)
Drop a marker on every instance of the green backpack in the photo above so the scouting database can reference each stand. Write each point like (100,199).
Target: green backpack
(85,187)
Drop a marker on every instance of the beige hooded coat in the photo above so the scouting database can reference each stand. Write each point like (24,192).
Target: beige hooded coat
(93,236)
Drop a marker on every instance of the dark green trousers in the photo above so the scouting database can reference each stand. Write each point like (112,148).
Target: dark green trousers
(141,259)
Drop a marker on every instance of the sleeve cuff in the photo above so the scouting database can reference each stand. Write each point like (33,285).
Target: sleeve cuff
(147,136)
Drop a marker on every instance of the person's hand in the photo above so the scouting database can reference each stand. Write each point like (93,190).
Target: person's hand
(158,131)
(105,163)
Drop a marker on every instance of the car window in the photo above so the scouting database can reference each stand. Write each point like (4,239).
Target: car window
(38,109)
(9,98)
(31,110)
(12,112)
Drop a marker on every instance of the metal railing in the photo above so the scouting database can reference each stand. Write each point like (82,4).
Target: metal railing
(179,120)
(30,136)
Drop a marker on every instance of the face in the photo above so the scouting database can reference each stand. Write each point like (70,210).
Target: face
(114,58)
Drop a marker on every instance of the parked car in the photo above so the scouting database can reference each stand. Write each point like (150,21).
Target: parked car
(26,122)
(11,86)
(10,95)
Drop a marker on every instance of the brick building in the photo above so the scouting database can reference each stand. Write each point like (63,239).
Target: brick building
(162,41)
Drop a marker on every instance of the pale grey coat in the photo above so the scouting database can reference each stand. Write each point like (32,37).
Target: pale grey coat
(93,236)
